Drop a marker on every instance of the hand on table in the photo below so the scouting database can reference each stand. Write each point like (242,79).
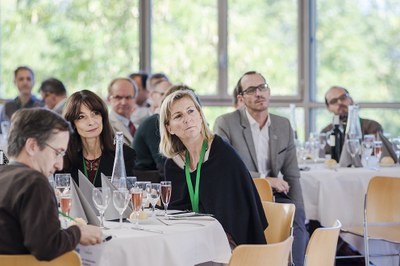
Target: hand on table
(90,235)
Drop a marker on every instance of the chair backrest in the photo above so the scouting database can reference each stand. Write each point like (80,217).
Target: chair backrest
(321,249)
(280,218)
(383,199)
(264,189)
(262,255)
(68,259)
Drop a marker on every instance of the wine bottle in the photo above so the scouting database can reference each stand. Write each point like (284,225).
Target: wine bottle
(336,139)
(118,177)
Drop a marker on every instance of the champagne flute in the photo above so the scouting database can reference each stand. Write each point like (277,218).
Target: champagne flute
(353,146)
(378,150)
(154,195)
(121,198)
(166,190)
(101,197)
(66,202)
(368,145)
(63,184)
(136,194)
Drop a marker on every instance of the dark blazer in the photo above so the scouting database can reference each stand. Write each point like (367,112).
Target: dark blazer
(106,165)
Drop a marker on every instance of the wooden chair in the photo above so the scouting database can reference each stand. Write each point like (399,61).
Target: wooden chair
(71,258)
(381,213)
(262,255)
(264,189)
(280,218)
(321,248)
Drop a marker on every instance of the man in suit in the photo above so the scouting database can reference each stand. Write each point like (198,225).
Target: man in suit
(121,96)
(265,143)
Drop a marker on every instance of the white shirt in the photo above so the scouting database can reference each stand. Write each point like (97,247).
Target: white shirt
(260,139)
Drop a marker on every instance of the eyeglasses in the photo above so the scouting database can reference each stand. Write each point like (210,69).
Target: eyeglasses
(252,90)
(341,98)
(59,154)
(119,98)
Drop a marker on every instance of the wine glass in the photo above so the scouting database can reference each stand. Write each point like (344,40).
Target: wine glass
(66,201)
(353,146)
(378,150)
(145,186)
(136,194)
(121,198)
(101,197)
(154,195)
(368,145)
(396,148)
(166,190)
(63,184)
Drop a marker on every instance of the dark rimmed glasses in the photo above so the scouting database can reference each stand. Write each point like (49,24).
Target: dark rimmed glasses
(342,98)
(253,89)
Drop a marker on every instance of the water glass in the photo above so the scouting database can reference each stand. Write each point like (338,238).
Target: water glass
(145,186)
(154,195)
(121,198)
(353,147)
(368,145)
(166,190)
(101,197)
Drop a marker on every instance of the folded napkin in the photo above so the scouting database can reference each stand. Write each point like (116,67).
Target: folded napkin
(345,158)
(387,148)
(111,213)
(86,187)
(80,206)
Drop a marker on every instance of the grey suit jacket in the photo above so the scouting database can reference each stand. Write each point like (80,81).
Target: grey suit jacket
(235,128)
(117,125)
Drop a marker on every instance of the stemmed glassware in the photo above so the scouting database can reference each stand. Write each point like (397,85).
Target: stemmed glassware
(101,197)
(136,194)
(166,190)
(378,150)
(368,145)
(322,141)
(353,147)
(121,198)
(154,195)
(62,185)
(396,148)
(145,186)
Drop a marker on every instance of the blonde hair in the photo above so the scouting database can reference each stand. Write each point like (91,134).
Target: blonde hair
(171,145)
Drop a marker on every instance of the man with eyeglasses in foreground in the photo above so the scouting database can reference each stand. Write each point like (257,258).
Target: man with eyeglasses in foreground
(265,143)
(29,221)
(121,96)
(337,100)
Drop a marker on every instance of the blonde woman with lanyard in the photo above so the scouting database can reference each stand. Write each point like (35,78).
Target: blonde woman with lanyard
(206,173)
(91,149)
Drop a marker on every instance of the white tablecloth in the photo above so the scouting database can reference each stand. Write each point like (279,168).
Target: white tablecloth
(330,195)
(183,244)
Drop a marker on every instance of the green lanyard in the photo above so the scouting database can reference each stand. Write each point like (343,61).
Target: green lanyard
(86,173)
(194,195)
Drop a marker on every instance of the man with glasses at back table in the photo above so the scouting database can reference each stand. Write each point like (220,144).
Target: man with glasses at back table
(337,100)
(265,143)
